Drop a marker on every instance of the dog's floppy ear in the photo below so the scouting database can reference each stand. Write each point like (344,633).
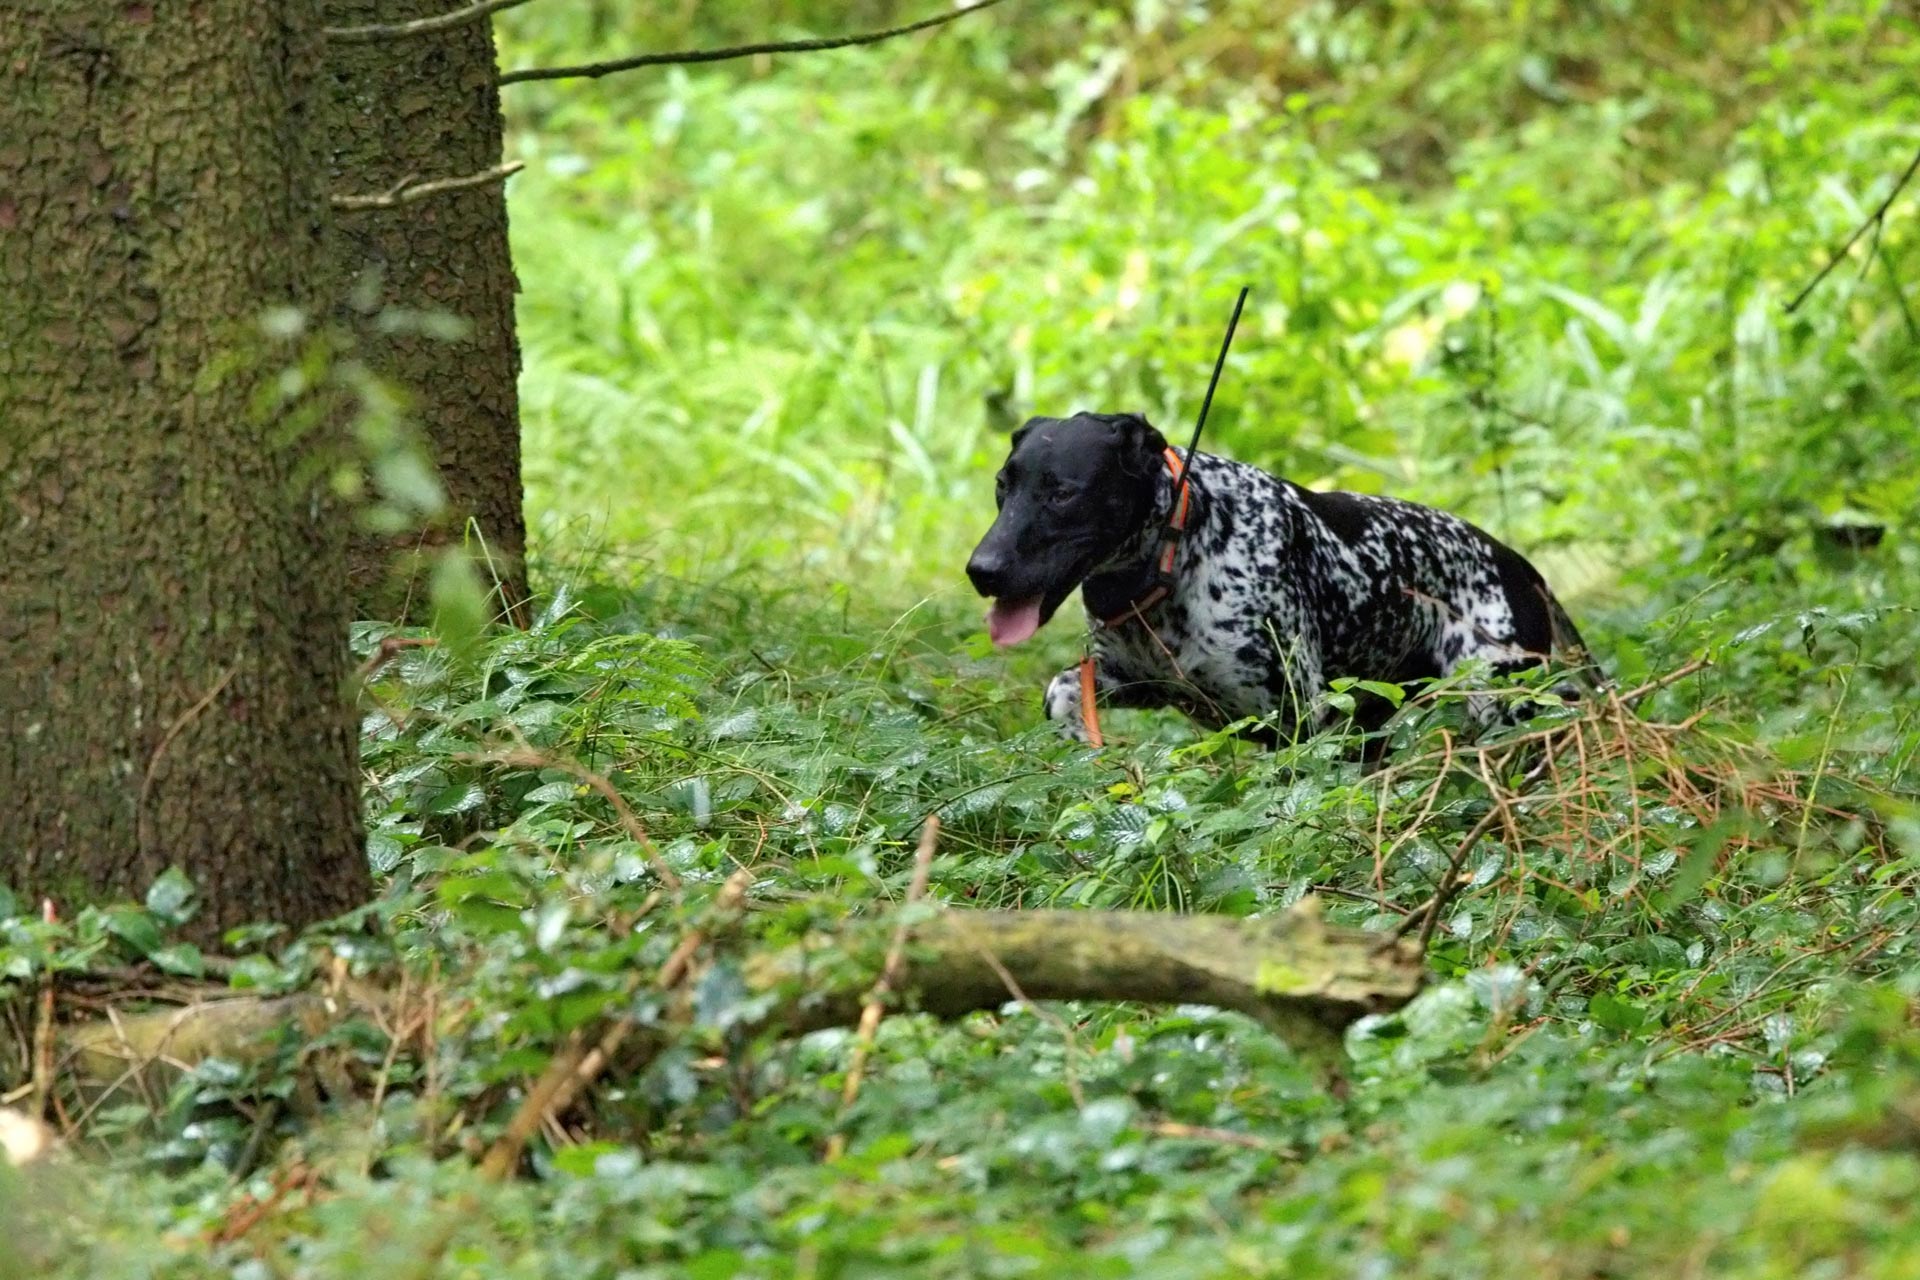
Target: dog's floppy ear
(1141,432)
(1143,447)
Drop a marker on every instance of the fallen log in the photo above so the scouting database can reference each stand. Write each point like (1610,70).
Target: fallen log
(1302,979)
(240,1029)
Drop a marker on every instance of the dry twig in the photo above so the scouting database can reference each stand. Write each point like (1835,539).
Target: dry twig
(1068,1042)
(594,70)
(1228,1137)
(1632,696)
(576,1066)
(374,31)
(728,901)
(388,649)
(1605,787)
(1874,221)
(180,722)
(248,1212)
(876,1004)
(410,188)
(526,757)
(1428,916)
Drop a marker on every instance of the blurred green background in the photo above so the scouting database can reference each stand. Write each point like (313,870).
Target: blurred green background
(1525,260)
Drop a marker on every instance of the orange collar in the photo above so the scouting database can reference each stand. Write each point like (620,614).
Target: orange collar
(1161,589)
(1169,547)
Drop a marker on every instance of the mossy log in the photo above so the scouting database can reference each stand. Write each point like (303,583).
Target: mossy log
(240,1029)
(1302,979)
(1299,977)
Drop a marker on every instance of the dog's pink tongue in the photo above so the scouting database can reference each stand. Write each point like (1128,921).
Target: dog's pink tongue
(1011,621)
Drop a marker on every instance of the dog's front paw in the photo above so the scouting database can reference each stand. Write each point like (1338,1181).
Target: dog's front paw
(1061,702)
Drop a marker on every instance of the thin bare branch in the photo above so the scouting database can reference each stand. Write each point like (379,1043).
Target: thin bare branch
(1068,1043)
(140,821)
(1899,290)
(528,758)
(410,188)
(1633,696)
(876,1004)
(726,904)
(1229,1137)
(1872,223)
(374,31)
(683,57)
(576,1066)
(388,649)
(1428,916)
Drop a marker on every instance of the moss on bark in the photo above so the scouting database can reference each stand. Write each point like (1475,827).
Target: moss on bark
(172,605)
(427,107)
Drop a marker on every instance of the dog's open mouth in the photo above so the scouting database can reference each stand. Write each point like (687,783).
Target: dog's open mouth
(1011,621)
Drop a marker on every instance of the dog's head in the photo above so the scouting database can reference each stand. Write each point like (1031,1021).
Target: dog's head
(1074,492)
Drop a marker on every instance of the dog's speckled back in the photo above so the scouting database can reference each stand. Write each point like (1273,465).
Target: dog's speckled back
(1278,590)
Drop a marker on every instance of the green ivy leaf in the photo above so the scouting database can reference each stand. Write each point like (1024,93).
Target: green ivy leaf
(182,958)
(170,895)
(134,927)
(461,602)
(1616,1014)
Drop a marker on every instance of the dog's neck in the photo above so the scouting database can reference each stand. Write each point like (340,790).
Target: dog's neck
(1131,573)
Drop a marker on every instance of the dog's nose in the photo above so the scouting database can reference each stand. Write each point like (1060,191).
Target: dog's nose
(987,571)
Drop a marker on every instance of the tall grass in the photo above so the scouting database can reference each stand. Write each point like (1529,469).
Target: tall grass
(772,324)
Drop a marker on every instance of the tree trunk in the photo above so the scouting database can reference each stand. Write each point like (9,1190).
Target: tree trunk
(426,107)
(172,604)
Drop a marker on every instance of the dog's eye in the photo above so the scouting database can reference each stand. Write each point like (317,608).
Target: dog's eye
(1060,497)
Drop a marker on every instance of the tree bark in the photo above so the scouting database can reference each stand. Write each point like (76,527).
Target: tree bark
(172,603)
(427,107)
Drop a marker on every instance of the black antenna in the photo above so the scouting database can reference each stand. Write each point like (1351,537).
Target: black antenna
(1218,365)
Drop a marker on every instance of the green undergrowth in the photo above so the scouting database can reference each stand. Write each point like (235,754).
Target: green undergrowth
(1668,1028)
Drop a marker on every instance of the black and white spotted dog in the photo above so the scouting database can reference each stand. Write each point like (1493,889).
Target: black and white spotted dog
(1267,593)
